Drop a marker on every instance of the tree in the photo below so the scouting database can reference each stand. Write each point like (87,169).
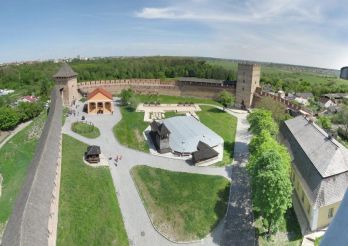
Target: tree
(278,110)
(125,95)
(9,119)
(133,102)
(271,186)
(226,98)
(28,111)
(324,122)
(261,119)
(44,88)
(342,118)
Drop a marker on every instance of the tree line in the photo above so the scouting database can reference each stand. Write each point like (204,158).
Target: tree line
(269,169)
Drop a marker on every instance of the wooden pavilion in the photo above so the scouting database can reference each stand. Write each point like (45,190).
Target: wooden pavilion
(99,101)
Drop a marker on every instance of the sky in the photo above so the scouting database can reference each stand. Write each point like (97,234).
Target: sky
(302,32)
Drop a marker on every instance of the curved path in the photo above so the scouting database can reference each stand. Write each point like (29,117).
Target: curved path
(137,223)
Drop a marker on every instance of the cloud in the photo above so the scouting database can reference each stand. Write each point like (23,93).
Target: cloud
(307,32)
(248,11)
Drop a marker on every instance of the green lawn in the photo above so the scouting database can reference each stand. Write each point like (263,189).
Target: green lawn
(224,125)
(182,206)
(129,131)
(175,99)
(289,233)
(16,155)
(86,130)
(89,213)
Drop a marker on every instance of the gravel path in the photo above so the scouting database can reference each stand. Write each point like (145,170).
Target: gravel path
(138,225)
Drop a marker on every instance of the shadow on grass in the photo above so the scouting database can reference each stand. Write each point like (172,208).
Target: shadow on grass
(221,205)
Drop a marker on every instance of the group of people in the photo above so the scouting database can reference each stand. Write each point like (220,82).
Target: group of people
(117,158)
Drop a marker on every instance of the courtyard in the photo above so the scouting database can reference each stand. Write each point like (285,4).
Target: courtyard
(137,222)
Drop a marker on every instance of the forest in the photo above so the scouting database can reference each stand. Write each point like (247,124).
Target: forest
(30,78)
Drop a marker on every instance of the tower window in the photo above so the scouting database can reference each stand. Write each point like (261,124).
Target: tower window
(243,89)
(330,213)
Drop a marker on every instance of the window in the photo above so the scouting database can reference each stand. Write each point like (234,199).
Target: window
(330,213)
(308,209)
(243,89)
(302,197)
(243,80)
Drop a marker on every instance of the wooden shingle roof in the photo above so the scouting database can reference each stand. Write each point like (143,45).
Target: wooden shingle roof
(65,71)
(99,90)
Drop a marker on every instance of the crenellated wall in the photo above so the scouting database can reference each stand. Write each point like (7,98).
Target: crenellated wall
(154,86)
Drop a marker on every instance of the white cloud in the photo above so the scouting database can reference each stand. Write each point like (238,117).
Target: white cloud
(289,31)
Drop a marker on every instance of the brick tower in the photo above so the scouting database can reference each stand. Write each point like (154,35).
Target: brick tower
(66,80)
(248,79)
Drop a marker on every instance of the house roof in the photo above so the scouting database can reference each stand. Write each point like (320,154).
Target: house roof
(324,100)
(204,152)
(99,90)
(93,150)
(305,95)
(65,71)
(321,161)
(160,128)
(186,132)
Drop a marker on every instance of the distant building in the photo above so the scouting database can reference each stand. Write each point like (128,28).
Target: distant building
(319,170)
(28,99)
(327,103)
(66,80)
(344,73)
(99,101)
(4,92)
(303,97)
(248,79)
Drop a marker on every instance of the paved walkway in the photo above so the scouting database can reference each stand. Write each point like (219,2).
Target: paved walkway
(137,223)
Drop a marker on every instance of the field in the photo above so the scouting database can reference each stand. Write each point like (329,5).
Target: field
(89,213)
(224,125)
(182,206)
(16,155)
(86,130)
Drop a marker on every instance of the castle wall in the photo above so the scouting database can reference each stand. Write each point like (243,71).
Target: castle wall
(154,86)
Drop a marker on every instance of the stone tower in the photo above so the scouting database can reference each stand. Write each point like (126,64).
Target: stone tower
(66,80)
(248,79)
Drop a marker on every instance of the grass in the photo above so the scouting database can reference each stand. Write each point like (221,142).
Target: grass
(16,155)
(289,232)
(224,125)
(129,130)
(182,206)
(89,213)
(86,130)
(175,99)
(317,241)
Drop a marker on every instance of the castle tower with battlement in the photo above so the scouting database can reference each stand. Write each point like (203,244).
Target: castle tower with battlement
(248,79)
(66,80)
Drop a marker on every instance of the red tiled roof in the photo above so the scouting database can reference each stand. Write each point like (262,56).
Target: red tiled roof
(99,90)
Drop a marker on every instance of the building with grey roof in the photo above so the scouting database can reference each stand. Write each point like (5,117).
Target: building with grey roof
(319,169)
(185,136)
(337,234)
(186,132)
